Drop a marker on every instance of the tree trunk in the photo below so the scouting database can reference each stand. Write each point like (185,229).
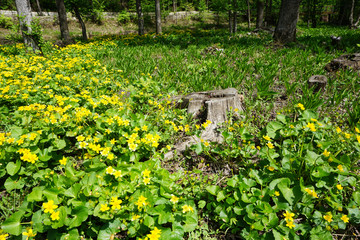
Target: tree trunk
(230,18)
(285,31)
(64,29)
(235,16)
(260,14)
(158,16)
(39,8)
(24,11)
(268,12)
(313,14)
(351,17)
(83,27)
(140,17)
(248,13)
(174,5)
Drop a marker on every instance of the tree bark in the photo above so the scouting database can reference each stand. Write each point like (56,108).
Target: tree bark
(39,8)
(64,29)
(268,13)
(24,11)
(158,16)
(230,18)
(140,17)
(248,13)
(83,27)
(260,14)
(313,14)
(285,31)
(235,16)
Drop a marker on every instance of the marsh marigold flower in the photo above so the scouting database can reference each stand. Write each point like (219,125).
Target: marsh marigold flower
(104,207)
(299,105)
(345,218)
(55,216)
(29,233)
(49,207)
(187,208)
(174,199)
(3,236)
(328,217)
(288,216)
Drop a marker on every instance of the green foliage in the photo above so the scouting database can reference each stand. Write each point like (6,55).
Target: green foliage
(123,17)
(6,22)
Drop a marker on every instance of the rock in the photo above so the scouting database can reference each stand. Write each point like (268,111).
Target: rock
(348,61)
(211,106)
(318,82)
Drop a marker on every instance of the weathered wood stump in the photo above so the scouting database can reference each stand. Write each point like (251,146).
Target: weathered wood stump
(348,61)
(318,82)
(211,106)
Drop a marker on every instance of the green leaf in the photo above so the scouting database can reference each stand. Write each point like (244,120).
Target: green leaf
(220,196)
(109,229)
(12,225)
(59,143)
(356,197)
(286,190)
(198,148)
(311,157)
(190,223)
(12,168)
(272,127)
(149,221)
(36,194)
(80,214)
(213,189)
(14,182)
(201,204)
(73,191)
(321,171)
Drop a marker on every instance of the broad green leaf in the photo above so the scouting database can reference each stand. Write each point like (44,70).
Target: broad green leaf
(73,190)
(12,225)
(109,229)
(213,189)
(201,204)
(220,196)
(284,187)
(356,197)
(36,194)
(272,127)
(12,168)
(14,182)
(149,221)
(191,223)
(59,143)
(80,215)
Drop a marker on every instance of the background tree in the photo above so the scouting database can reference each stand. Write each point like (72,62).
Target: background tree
(260,13)
(158,16)
(64,29)
(140,16)
(24,11)
(285,30)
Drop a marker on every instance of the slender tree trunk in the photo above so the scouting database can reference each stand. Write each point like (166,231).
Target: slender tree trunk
(39,8)
(235,16)
(285,31)
(140,17)
(313,14)
(64,29)
(353,24)
(230,17)
(268,13)
(83,27)
(158,16)
(24,11)
(248,13)
(260,14)
(174,5)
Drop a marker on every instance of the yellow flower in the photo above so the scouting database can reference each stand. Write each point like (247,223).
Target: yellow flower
(104,207)
(117,174)
(133,218)
(290,224)
(311,126)
(80,138)
(299,105)
(113,141)
(338,186)
(345,218)
(270,145)
(49,207)
(154,234)
(277,193)
(328,217)
(115,203)
(271,168)
(3,236)
(358,138)
(340,167)
(347,135)
(187,208)
(82,144)
(174,199)
(146,173)
(357,130)
(63,161)
(288,216)
(29,233)
(311,193)
(55,216)
(313,120)
(168,147)
(326,153)
(267,138)
(110,170)
(146,180)
(338,130)
(141,202)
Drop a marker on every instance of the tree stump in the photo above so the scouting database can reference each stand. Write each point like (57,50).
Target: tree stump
(348,61)
(211,106)
(318,82)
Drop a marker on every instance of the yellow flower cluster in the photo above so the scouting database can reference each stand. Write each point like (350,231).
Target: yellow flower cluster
(141,202)
(289,219)
(311,192)
(154,235)
(27,155)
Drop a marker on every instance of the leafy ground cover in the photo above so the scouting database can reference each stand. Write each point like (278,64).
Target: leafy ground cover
(84,130)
